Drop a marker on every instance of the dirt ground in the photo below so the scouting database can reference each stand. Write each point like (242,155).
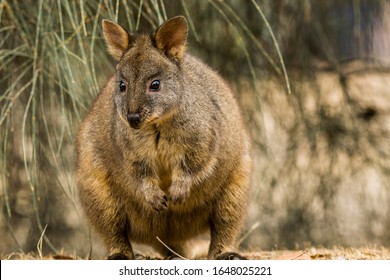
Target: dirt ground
(338,253)
(324,254)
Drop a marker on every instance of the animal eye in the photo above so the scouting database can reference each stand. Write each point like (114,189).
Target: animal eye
(122,86)
(155,85)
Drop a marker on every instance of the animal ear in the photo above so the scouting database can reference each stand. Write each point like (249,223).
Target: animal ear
(117,38)
(171,37)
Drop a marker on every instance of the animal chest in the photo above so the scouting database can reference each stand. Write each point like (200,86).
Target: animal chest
(169,155)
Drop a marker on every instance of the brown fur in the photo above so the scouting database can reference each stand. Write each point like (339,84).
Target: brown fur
(184,169)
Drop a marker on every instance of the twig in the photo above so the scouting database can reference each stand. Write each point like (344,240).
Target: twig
(300,255)
(166,246)
(249,232)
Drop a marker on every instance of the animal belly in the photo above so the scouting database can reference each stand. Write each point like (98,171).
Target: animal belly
(170,226)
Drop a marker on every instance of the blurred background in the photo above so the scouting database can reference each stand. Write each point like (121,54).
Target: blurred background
(312,78)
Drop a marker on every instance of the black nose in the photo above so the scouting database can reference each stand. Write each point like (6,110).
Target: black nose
(134,120)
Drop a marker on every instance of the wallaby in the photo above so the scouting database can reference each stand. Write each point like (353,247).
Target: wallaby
(163,151)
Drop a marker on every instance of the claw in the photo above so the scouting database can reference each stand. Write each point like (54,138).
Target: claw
(230,256)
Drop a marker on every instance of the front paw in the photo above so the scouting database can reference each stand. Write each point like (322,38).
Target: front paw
(157,199)
(179,192)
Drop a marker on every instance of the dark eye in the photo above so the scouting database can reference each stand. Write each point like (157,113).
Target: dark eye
(122,86)
(155,85)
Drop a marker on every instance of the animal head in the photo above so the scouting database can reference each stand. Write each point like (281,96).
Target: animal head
(148,71)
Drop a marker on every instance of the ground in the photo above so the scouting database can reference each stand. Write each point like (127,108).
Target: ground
(338,253)
(325,254)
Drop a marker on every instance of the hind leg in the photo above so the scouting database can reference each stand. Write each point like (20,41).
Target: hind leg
(108,219)
(225,227)
(227,218)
